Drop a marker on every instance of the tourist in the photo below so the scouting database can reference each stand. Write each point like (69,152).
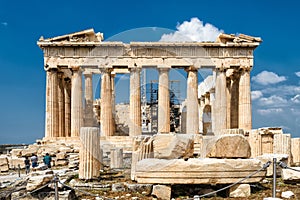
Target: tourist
(27,165)
(47,160)
(34,161)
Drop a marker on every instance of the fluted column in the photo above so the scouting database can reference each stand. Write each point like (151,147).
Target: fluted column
(212,104)
(228,101)
(61,106)
(67,94)
(88,97)
(163,101)
(51,104)
(192,123)
(201,109)
(234,101)
(89,165)
(106,107)
(76,102)
(221,101)
(135,103)
(113,99)
(245,115)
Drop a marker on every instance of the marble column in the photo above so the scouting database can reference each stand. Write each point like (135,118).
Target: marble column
(51,104)
(234,100)
(245,114)
(192,123)
(113,99)
(76,102)
(88,97)
(221,101)
(228,97)
(201,108)
(163,101)
(107,128)
(135,127)
(61,106)
(67,94)
(90,155)
(212,104)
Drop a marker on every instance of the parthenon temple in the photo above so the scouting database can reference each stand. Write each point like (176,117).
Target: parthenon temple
(71,60)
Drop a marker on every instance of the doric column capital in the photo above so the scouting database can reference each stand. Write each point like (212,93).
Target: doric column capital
(106,70)
(135,69)
(190,68)
(245,68)
(221,68)
(75,68)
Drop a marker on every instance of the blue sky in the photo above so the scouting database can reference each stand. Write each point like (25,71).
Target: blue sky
(22,84)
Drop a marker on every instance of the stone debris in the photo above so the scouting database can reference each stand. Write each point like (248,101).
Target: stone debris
(4,167)
(291,176)
(162,192)
(240,190)
(229,146)
(287,194)
(269,157)
(173,146)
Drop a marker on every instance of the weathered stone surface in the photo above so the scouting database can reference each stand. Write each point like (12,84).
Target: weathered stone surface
(61,156)
(4,167)
(240,190)
(287,194)
(140,188)
(229,146)
(170,146)
(198,171)
(16,152)
(117,187)
(269,157)
(291,176)
(61,162)
(162,192)
(14,162)
(295,149)
(35,182)
(116,158)
(32,149)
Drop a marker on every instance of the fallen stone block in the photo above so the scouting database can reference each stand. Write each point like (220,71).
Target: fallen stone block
(229,146)
(240,190)
(140,188)
(162,192)
(14,162)
(198,171)
(36,182)
(269,157)
(291,176)
(173,146)
(287,194)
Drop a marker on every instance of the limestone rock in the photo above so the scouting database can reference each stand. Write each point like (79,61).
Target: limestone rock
(14,162)
(16,152)
(198,171)
(62,162)
(61,155)
(162,192)
(170,146)
(240,190)
(287,194)
(35,182)
(229,146)
(4,167)
(269,157)
(140,188)
(291,176)
(117,187)
(32,149)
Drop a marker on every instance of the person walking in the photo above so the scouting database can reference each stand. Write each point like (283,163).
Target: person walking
(34,161)
(27,165)
(47,160)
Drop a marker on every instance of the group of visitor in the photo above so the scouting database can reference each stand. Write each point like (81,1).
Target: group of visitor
(34,162)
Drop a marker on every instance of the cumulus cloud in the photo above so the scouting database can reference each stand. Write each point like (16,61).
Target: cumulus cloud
(297,74)
(296,99)
(269,111)
(256,94)
(266,78)
(193,30)
(273,100)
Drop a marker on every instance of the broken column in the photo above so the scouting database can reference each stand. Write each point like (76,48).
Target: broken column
(116,158)
(89,167)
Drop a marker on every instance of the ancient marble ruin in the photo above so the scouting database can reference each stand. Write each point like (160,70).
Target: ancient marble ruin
(82,133)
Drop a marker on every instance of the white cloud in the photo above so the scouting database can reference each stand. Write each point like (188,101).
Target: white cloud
(256,94)
(194,30)
(297,74)
(273,100)
(265,78)
(282,90)
(4,23)
(296,99)
(269,111)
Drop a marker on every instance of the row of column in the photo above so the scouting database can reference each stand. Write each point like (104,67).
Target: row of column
(64,109)
(232,106)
